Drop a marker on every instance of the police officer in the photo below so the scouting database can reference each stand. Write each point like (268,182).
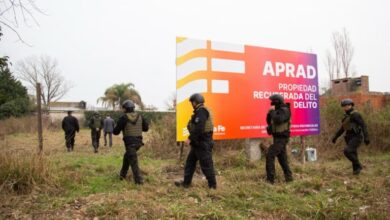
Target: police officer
(132,125)
(201,140)
(70,125)
(355,130)
(278,120)
(96,125)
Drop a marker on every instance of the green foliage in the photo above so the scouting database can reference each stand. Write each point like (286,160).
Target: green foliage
(14,100)
(17,107)
(377,121)
(118,93)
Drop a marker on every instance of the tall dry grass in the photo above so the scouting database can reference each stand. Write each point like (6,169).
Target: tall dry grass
(161,138)
(21,173)
(26,124)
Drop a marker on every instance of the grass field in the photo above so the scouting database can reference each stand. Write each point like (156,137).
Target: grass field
(82,184)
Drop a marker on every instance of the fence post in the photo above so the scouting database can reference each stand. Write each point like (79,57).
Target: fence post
(39,116)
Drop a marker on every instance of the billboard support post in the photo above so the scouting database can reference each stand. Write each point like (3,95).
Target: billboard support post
(252,149)
(181,144)
(303,149)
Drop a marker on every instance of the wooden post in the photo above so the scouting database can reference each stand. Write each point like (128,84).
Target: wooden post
(181,150)
(39,116)
(303,149)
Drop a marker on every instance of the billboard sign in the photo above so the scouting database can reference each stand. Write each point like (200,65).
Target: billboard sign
(237,80)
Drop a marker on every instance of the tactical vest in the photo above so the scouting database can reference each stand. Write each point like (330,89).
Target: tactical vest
(209,127)
(96,122)
(279,128)
(349,125)
(134,125)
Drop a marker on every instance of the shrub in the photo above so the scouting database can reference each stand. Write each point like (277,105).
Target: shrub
(378,125)
(161,139)
(16,108)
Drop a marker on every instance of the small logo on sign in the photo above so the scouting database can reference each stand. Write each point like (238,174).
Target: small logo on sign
(219,129)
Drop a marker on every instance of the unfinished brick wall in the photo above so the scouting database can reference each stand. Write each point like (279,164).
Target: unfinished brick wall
(349,85)
(372,99)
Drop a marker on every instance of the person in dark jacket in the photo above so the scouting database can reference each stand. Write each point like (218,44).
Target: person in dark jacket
(278,120)
(108,129)
(355,130)
(201,128)
(70,125)
(131,124)
(96,125)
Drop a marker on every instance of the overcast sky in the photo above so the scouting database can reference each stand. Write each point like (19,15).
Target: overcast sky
(99,43)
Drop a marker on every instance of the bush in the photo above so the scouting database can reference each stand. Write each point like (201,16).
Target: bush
(14,100)
(161,138)
(16,108)
(378,125)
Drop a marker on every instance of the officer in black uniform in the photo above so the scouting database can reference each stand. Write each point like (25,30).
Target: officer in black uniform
(132,125)
(201,140)
(70,125)
(355,130)
(96,125)
(278,120)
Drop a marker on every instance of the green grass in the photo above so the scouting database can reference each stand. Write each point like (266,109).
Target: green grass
(88,186)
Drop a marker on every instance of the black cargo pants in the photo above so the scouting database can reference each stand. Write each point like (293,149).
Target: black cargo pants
(130,158)
(69,139)
(95,136)
(201,152)
(350,151)
(278,149)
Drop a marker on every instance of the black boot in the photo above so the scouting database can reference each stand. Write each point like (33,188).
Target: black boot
(181,184)
(357,171)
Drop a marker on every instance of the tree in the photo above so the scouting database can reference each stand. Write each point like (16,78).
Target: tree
(336,50)
(14,100)
(347,51)
(330,66)
(118,93)
(343,52)
(44,70)
(12,11)
(170,103)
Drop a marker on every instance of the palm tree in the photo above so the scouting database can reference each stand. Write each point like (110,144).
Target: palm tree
(118,93)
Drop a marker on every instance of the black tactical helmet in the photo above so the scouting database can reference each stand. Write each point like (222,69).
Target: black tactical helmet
(128,104)
(196,97)
(345,102)
(276,99)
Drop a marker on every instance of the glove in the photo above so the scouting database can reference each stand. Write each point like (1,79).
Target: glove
(367,141)
(334,140)
(269,129)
